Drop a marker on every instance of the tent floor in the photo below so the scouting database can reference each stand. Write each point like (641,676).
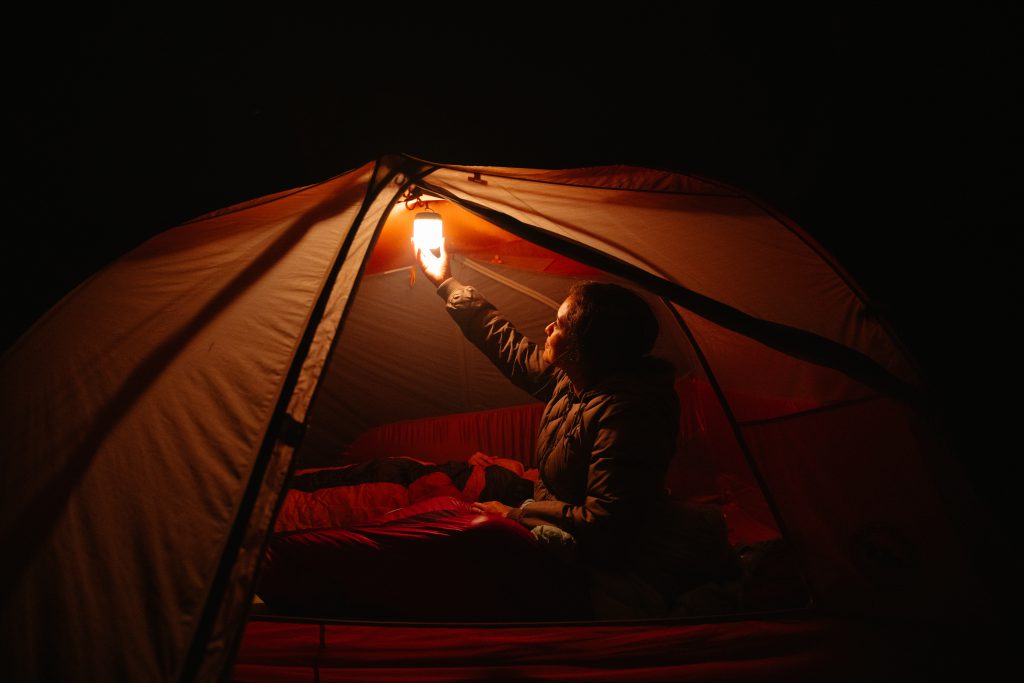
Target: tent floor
(794,647)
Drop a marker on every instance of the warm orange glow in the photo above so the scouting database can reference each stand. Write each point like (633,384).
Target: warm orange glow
(466,234)
(426,230)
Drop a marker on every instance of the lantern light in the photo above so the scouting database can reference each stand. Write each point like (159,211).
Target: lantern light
(426,231)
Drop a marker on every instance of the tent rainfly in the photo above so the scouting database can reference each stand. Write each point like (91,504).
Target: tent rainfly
(152,418)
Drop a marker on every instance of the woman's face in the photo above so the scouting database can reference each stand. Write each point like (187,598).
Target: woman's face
(558,343)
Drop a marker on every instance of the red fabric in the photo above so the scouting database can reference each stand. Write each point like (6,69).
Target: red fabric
(709,466)
(856,488)
(439,504)
(484,460)
(809,648)
(504,433)
(744,528)
(342,505)
(433,562)
(860,556)
(349,504)
(474,485)
(431,486)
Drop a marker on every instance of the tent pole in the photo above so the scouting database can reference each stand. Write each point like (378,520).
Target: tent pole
(296,430)
(410,179)
(197,653)
(735,426)
(868,306)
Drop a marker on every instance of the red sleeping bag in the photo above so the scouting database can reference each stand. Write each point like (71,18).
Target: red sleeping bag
(362,492)
(436,560)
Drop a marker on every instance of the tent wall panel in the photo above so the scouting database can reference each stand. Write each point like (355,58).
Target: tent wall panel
(502,432)
(724,247)
(141,400)
(399,336)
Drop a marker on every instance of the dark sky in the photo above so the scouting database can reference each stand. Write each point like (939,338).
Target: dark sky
(892,138)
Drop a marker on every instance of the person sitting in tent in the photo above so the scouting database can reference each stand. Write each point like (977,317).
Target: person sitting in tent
(607,435)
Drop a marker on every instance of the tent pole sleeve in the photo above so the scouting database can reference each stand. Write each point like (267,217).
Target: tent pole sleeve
(737,432)
(792,341)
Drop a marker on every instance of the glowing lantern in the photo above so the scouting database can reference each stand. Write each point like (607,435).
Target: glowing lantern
(426,230)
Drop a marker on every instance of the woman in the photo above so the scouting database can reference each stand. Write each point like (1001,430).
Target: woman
(607,432)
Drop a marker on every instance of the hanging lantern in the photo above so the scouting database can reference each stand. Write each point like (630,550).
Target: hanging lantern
(426,230)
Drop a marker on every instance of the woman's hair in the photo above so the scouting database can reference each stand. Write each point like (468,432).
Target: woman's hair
(610,324)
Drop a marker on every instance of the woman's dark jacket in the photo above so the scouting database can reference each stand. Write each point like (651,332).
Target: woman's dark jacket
(602,454)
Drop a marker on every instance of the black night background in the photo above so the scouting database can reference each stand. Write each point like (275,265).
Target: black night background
(893,139)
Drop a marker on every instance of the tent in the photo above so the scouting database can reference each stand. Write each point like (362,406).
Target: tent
(152,419)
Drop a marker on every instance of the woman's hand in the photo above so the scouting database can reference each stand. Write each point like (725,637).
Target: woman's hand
(493,507)
(436,268)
